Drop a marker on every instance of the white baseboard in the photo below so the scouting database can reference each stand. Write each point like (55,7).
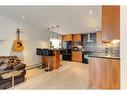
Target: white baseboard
(33,66)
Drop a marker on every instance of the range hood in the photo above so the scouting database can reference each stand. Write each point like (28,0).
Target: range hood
(89,39)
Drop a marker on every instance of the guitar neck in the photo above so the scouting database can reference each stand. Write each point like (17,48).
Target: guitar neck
(18,37)
(18,31)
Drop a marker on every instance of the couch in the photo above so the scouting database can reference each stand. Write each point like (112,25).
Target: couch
(7,65)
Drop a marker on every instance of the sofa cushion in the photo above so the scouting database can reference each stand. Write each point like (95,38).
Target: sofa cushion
(14,60)
(1,62)
(10,63)
(20,66)
(3,67)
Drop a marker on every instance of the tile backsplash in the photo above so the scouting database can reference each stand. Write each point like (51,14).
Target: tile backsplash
(113,48)
(89,46)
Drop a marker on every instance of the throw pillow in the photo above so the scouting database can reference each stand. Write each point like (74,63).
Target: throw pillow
(1,62)
(3,67)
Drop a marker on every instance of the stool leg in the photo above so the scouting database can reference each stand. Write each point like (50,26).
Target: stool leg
(49,62)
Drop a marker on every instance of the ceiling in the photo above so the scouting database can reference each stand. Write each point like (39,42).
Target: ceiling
(71,19)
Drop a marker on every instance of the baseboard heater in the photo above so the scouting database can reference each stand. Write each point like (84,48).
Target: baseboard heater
(33,66)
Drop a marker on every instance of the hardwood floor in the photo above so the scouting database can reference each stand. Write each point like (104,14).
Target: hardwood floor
(71,75)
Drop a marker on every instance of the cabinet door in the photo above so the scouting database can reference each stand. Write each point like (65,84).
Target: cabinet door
(67,37)
(116,23)
(100,73)
(104,73)
(116,74)
(93,37)
(76,37)
(99,37)
(77,56)
(107,23)
(110,23)
(85,37)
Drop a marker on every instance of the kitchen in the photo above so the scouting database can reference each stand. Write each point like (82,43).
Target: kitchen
(100,50)
(81,46)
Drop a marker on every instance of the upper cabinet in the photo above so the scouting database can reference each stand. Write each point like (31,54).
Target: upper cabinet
(110,23)
(76,37)
(67,37)
(71,37)
(93,37)
(99,38)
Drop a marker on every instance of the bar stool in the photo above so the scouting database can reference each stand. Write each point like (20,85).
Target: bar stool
(39,53)
(48,53)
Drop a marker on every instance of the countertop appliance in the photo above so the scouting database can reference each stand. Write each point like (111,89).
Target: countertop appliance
(75,48)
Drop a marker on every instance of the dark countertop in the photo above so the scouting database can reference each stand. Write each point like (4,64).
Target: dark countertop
(103,55)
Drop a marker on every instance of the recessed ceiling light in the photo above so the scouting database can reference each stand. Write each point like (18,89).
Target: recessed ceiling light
(91,12)
(23,17)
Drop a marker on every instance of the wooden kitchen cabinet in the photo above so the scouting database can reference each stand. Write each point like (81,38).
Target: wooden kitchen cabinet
(116,74)
(67,37)
(76,37)
(77,56)
(110,23)
(99,38)
(104,73)
(116,22)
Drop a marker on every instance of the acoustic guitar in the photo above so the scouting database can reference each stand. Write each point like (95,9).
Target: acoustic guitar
(17,44)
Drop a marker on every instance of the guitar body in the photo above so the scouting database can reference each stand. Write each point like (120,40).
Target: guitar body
(17,44)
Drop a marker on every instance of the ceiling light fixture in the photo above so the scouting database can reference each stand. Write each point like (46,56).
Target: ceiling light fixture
(54,28)
(91,12)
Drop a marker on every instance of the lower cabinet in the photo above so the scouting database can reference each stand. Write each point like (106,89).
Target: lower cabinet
(104,73)
(77,56)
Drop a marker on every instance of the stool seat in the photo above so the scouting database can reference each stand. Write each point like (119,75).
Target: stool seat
(47,52)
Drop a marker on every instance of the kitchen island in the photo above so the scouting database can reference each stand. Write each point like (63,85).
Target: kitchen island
(55,59)
(104,71)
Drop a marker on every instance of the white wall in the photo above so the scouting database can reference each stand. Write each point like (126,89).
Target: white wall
(123,46)
(32,38)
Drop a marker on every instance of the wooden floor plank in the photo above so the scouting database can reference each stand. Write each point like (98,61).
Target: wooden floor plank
(72,75)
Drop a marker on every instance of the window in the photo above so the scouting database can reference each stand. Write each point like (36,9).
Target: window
(55,43)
